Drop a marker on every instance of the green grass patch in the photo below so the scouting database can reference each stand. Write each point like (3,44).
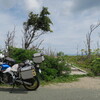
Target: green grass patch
(5,85)
(62,79)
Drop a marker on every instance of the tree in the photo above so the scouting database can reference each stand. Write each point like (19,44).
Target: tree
(35,26)
(82,52)
(9,42)
(77,50)
(60,53)
(88,37)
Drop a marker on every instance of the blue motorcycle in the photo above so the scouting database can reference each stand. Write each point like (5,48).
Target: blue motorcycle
(21,74)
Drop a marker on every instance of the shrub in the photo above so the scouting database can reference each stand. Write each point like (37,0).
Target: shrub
(20,54)
(52,68)
(60,54)
(48,74)
(95,66)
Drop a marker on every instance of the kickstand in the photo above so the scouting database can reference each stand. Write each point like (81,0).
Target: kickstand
(12,87)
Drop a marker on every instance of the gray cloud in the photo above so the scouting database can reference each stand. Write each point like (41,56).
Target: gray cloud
(27,5)
(70,24)
(72,19)
(6,4)
(81,5)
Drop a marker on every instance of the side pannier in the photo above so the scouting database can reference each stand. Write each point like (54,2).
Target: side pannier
(27,72)
(38,58)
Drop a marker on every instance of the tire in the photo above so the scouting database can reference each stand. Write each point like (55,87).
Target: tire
(35,84)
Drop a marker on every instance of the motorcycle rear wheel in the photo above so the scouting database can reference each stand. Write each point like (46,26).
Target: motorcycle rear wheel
(35,84)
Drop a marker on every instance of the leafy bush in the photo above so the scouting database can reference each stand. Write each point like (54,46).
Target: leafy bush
(20,54)
(48,74)
(60,54)
(52,68)
(95,66)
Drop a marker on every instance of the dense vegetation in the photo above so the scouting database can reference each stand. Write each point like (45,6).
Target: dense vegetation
(53,67)
(56,68)
(91,65)
(20,54)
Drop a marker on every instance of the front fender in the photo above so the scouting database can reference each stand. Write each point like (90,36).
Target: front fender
(8,70)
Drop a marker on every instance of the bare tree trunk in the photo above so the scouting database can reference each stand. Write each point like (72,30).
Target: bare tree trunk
(97,48)
(88,37)
(29,36)
(85,48)
(9,42)
(77,50)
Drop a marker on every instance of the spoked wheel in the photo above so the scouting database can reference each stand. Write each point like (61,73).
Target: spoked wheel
(35,84)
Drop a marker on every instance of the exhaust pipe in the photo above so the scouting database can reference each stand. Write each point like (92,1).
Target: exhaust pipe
(27,83)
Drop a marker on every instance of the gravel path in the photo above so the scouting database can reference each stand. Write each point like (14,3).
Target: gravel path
(85,82)
(85,89)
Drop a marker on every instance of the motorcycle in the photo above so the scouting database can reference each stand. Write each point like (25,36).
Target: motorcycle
(23,73)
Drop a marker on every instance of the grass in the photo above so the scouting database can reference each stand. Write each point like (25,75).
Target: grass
(62,79)
(5,85)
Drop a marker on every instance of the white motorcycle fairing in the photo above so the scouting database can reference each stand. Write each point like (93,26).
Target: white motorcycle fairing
(11,70)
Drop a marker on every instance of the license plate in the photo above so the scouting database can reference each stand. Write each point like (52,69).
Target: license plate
(33,72)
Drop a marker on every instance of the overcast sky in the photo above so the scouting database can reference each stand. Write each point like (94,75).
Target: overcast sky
(71,21)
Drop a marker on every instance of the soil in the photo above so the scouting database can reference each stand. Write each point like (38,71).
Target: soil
(85,82)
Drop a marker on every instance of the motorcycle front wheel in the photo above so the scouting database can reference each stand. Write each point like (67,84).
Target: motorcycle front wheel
(35,84)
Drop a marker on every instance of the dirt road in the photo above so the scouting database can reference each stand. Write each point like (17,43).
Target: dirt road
(85,82)
(85,89)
